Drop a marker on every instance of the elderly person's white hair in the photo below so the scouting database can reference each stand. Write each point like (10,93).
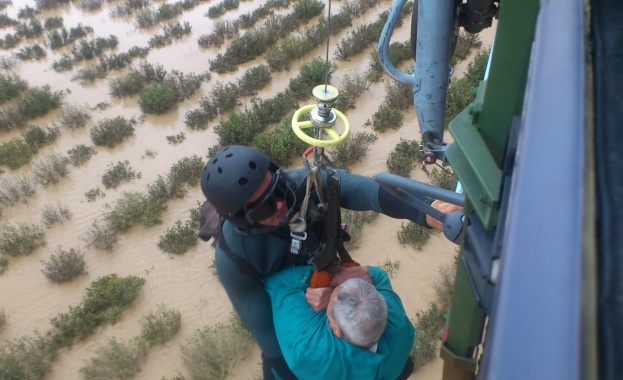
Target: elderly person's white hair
(360,311)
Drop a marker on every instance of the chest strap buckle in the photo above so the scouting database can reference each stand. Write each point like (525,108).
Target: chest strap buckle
(296,243)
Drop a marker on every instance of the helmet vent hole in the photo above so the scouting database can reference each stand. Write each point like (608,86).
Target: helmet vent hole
(253,165)
(220,170)
(229,155)
(214,161)
(243,181)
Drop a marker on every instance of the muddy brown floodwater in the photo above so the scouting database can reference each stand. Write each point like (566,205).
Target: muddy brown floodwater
(185,283)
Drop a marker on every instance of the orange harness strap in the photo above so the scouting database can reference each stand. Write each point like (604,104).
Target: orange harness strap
(321,279)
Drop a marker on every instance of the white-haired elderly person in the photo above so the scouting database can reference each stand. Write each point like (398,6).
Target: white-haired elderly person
(355,328)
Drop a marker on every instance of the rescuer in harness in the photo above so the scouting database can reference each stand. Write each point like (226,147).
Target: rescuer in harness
(260,232)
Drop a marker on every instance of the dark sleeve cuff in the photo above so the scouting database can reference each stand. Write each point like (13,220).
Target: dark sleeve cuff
(398,209)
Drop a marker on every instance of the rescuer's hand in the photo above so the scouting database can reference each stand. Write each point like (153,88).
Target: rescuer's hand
(318,298)
(444,207)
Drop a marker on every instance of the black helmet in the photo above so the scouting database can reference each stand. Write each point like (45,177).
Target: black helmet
(232,175)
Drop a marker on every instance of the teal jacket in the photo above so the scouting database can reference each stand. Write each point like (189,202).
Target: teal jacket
(311,349)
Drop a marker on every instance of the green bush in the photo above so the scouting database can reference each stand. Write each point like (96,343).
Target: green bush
(398,53)
(118,173)
(74,117)
(186,171)
(145,18)
(212,351)
(111,132)
(115,360)
(176,139)
(273,110)
(37,102)
(80,154)
(101,235)
(7,63)
(91,73)
(65,63)
(443,178)
(36,137)
(280,144)
(179,238)
(311,75)
(4,266)
(53,23)
(26,358)
(104,302)
(353,85)
(160,325)
(222,29)
(403,157)
(413,235)
(352,150)
(21,240)
(6,21)
(128,7)
(93,194)
(386,117)
(55,213)
(11,86)
(253,80)
(391,267)
(185,85)
(238,129)
(355,221)
(15,153)
(133,208)
(428,326)
(444,285)
(128,85)
(31,53)
(465,42)
(157,98)
(197,119)
(461,92)
(50,169)
(16,188)
(398,95)
(64,266)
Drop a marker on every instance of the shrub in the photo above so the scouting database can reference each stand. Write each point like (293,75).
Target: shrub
(361,38)
(27,12)
(179,238)
(132,208)
(26,358)
(464,43)
(311,75)
(128,7)
(101,235)
(53,23)
(212,351)
(403,157)
(352,150)
(176,139)
(21,240)
(65,63)
(103,303)
(186,171)
(353,85)
(93,194)
(224,98)
(7,63)
(443,178)
(80,154)
(157,98)
(386,117)
(168,11)
(111,132)
(64,266)
(185,85)
(4,266)
(222,29)
(160,325)
(428,326)
(461,91)
(197,120)
(238,129)
(444,286)
(131,84)
(57,213)
(50,169)
(16,188)
(115,360)
(355,221)
(145,18)
(30,29)
(10,41)
(280,144)
(31,53)
(413,235)
(74,117)
(253,79)
(398,95)
(117,173)
(476,68)
(91,73)
(36,137)
(11,86)
(15,153)
(391,267)
(6,21)
(37,102)
(398,53)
